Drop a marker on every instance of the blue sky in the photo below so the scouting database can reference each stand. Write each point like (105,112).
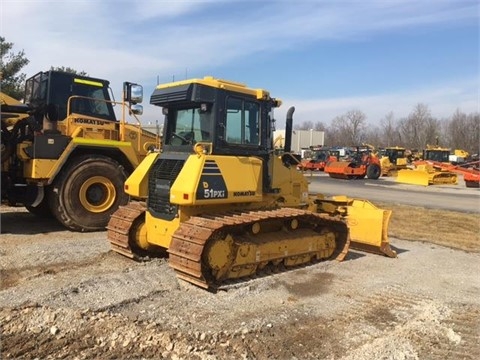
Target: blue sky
(323,57)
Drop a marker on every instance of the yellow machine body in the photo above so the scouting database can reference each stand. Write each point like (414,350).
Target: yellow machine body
(395,159)
(427,174)
(227,209)
(65,153)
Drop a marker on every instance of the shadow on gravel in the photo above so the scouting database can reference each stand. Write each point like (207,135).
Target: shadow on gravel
(398,250)
(354,255)
(23,223)
(357,254)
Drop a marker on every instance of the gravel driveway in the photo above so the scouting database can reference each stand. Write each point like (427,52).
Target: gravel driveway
(66,295)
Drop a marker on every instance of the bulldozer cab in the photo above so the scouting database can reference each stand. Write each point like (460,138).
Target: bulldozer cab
(234,122)
(64,93)
(437,155)
(394,154)
(214,117)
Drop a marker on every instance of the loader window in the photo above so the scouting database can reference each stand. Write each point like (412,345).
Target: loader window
(242,124)
(96,104)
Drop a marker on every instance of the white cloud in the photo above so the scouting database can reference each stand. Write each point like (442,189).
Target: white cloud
(442,100)
(165,36)
(137,40)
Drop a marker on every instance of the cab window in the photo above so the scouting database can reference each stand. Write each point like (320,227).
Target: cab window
(242,125)
(95,105)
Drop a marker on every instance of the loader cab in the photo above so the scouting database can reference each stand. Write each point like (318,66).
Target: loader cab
(64,93)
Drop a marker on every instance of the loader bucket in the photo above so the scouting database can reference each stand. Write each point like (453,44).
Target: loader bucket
(414,177)
(369,227)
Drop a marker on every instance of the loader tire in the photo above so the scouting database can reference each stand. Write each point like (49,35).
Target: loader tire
(88,192)
(373,171)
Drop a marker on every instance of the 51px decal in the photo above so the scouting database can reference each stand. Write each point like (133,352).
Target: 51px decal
(213,194)
(212,189)
(210,193)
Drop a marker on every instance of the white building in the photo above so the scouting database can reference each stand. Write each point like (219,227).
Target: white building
(301,139)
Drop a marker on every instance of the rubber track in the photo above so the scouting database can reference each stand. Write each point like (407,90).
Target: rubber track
(118,228)
(189,240)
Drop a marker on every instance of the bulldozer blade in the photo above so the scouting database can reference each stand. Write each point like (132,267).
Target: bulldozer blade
(369,228)
(414,177)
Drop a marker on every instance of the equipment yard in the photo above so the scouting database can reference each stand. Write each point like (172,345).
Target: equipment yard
(224,292)
(67,295)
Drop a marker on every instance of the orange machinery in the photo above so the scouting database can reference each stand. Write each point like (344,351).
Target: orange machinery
(364,162)
(319,159)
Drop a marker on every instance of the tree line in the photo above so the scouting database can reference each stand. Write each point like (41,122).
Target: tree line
(416,131)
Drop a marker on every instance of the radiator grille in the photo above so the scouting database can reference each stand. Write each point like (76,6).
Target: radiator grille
(162,176)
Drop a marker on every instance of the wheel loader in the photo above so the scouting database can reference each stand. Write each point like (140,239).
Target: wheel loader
(65,153)
(222,203)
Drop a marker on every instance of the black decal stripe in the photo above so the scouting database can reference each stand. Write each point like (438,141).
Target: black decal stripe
(211,171)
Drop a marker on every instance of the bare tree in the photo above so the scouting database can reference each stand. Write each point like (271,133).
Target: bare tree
(350,127)
(462,131)
(373,136)
(306,125)
(420,128)
(390,136)
(472,140)
(319,126)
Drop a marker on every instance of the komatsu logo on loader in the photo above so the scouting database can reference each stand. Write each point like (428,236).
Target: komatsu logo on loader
(244,193)
(90,121)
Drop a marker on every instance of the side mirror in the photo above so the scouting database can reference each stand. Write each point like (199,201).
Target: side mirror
(133,93)
(136,109)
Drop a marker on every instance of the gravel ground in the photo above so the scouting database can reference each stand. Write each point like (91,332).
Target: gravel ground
(66,295)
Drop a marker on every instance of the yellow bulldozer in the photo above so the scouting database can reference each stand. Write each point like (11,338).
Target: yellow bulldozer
(65,153)
(393,159)
(223,202)
(430,170)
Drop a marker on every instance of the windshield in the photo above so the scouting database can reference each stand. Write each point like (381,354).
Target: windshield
(437,155)
(95,105)
(188,126)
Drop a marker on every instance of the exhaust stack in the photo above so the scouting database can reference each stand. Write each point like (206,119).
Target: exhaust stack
(288,130)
